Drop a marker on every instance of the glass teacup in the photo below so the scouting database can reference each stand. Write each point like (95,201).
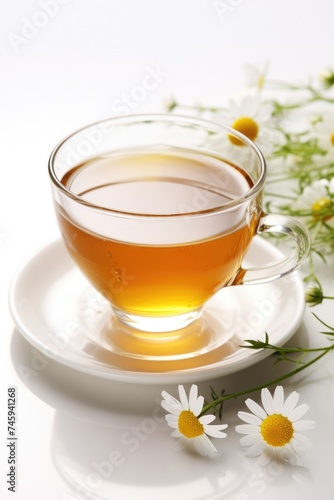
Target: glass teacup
(158,212)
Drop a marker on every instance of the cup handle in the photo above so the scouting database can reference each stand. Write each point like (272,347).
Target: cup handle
(283,225)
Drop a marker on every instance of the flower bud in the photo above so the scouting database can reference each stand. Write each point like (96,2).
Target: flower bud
(314,296)
(327,78)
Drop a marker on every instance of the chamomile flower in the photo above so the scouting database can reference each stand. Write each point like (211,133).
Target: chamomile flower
(324,132)
(256,76)
(191,429)
(254,119)
(272,432)
(318,198)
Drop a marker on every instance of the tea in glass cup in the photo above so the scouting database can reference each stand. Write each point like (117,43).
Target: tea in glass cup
(159,217)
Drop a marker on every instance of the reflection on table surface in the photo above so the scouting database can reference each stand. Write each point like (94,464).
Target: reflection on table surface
(110,439)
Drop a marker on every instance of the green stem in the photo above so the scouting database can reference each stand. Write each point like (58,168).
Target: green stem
(315,93)
(315,232)
(235,395)
(276,195)
(323,323)
(280,179)
(295,350)
(198,107)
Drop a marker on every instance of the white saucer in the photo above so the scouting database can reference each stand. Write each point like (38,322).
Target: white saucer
(65,319)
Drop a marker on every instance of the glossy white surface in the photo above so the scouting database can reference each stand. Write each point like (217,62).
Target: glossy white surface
(77,66)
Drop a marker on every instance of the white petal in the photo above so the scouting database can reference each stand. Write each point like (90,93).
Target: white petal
(234,109)
(309,192)
(264,113)
(249,440)
(256,449)
(193,393)
(256,408)
(247,429)
(204,446)
(169,403)
(215,430)
(290,454)
(278,399)
(206,419)
(266,457)
(281,454)
(322,182)
(300,442)
(304,425)
(183,398)
(196,405)
(166,395)
(309,196)
(298,412)
(322,188)
(174,409)
(267,401)
(169,399)
(180,444)
(290,403)
(172,421)
(292,459)
(331,186)
(249,418)
(176,433)
(251,104)
(170,417)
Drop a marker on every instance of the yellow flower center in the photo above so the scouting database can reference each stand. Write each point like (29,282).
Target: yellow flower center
(276,430)
(332,139)
(246,126)
(189,425)
(321,205)
(260,82)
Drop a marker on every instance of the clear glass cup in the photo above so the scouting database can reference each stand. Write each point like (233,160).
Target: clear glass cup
(158,211)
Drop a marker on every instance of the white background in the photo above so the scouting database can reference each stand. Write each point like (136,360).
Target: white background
(72,66)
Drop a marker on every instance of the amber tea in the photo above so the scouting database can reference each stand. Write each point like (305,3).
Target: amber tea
(165,273)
